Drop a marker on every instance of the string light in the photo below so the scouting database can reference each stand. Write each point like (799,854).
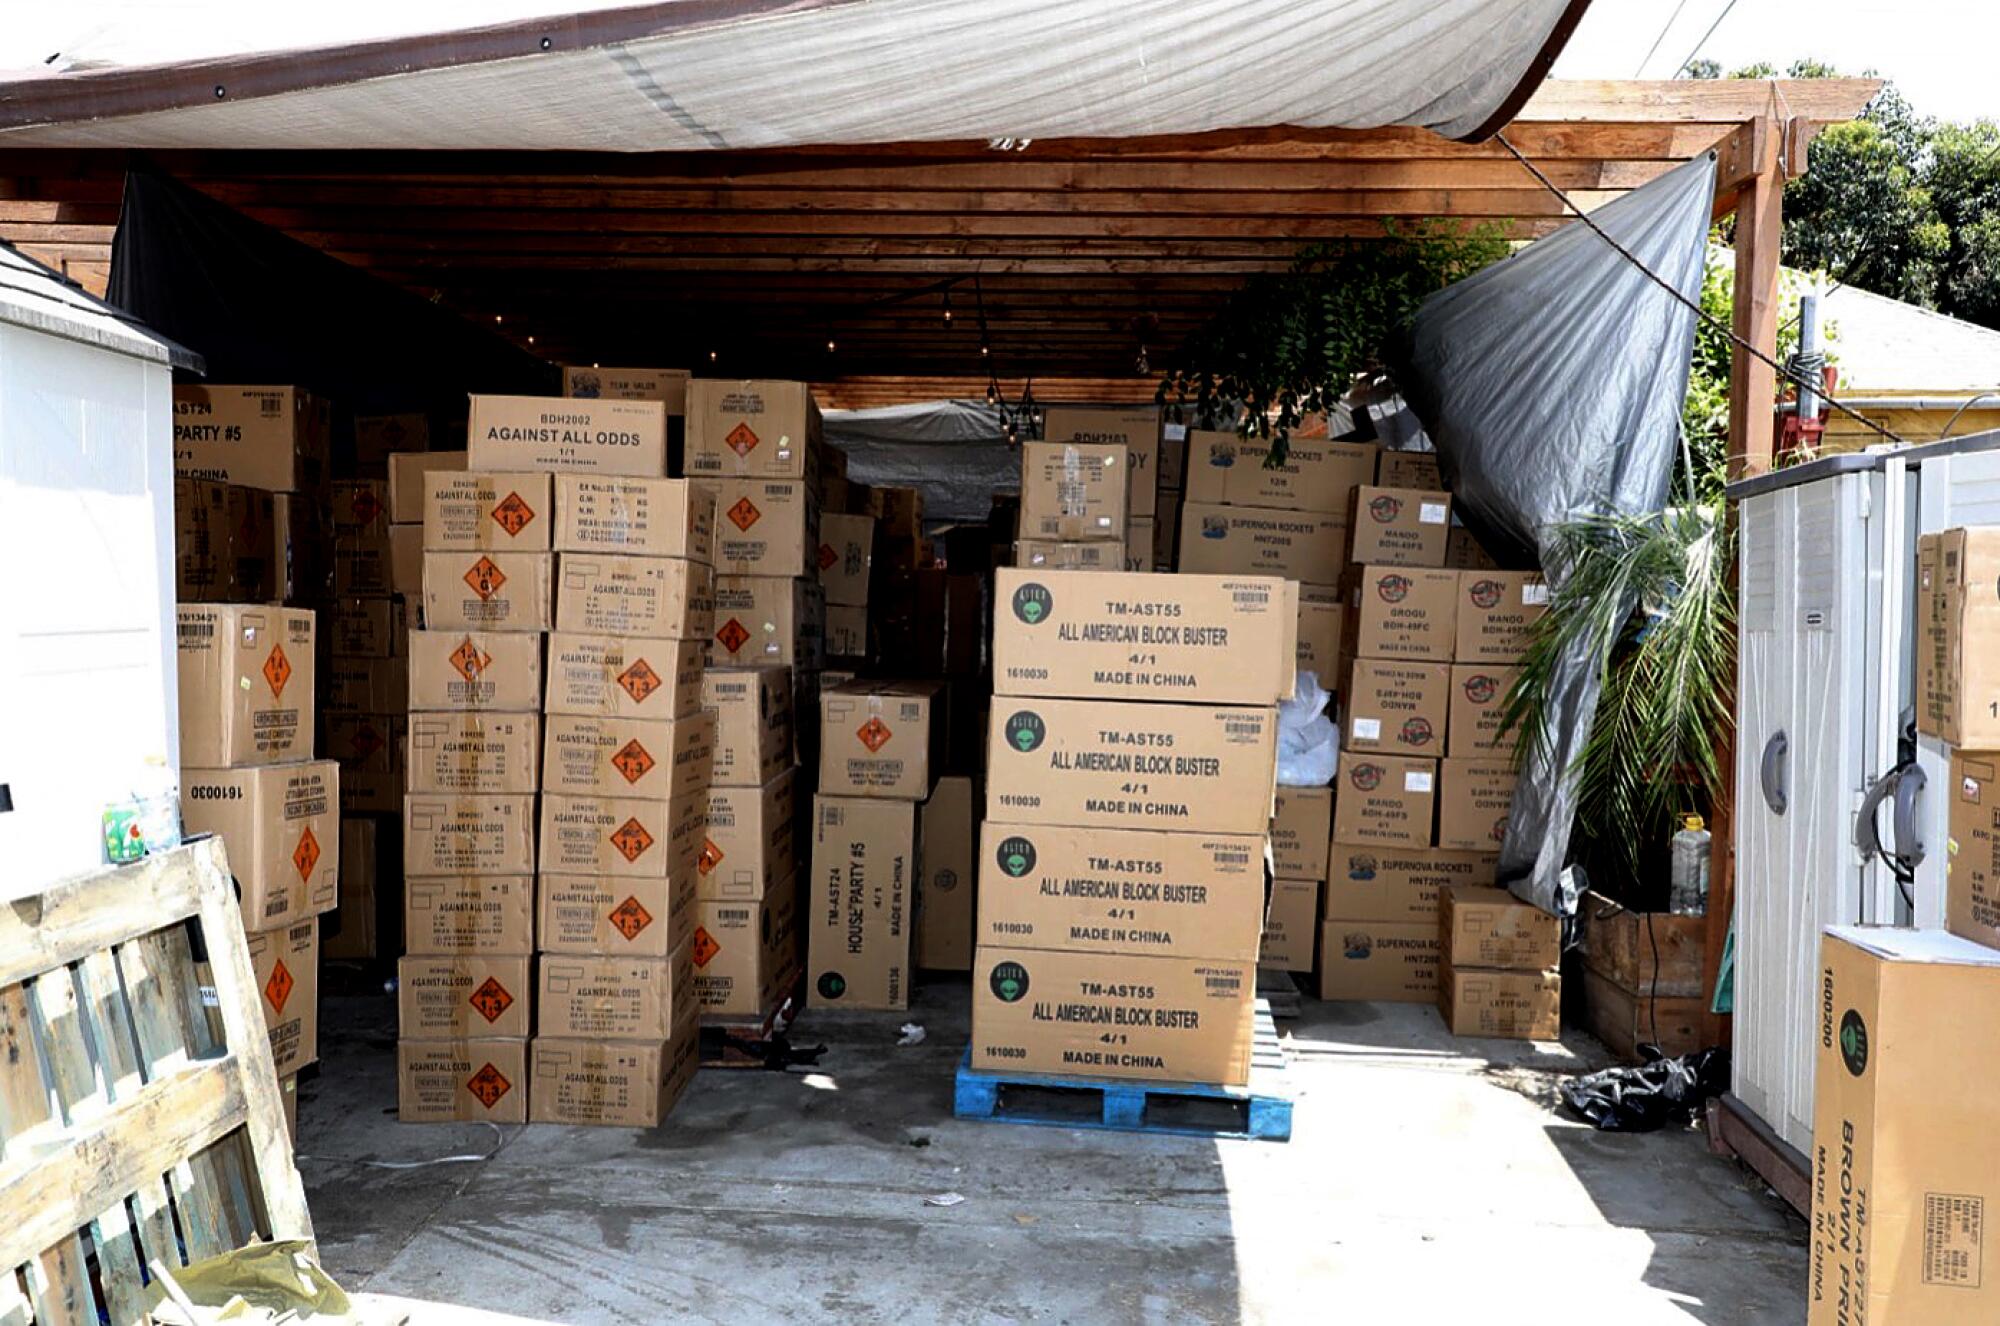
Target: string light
(711,356)
(1142,363)
(947,308)
(496,319)
(829,345)
(531,340)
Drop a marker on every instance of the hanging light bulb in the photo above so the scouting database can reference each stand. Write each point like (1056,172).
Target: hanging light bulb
(1142,363)
(947,308)
(992,395)
(711,356)
(531,340)
(829,345)
(985,349)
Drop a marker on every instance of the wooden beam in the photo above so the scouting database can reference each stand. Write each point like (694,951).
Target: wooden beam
(1754,317)
(1828,100)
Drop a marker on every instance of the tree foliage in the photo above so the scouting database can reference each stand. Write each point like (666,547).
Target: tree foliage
(1705,410)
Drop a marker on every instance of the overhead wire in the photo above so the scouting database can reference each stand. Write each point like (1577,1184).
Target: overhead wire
(1705,36)
(1654,49)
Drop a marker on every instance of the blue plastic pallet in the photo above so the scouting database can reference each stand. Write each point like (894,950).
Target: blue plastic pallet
(1261,1111)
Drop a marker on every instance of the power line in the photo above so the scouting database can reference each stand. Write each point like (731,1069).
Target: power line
(1705,36)
(1654,49)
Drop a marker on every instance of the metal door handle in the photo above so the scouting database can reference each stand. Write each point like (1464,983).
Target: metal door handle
(1909,842)
(1771,772)
(1907,781)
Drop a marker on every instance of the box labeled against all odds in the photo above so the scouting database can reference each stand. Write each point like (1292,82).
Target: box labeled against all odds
(626,1084)
(483,671)
(768,619)
(439,1081)
(1112,1015)
(456,914)
(623,676)
(466,510)
(630,837)
(608,755)
(662,597)
(468,833)
(463,995)
(614,997)
(1116,764)
(641,918)
(644,517)
(1217,639)
(512,433)
(474,752)
(489,591)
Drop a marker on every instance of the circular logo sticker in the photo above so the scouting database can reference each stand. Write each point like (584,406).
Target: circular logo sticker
(1015,856)
(1025,730)
(1393,589)
(944,881)
(1483,593)
(1032,602)
(1366,777)
(1500,829)
(1009,982)
(1361,866)
(1854,1042)
(1480,688)
(832,985)
(1385,508)
(1416,732)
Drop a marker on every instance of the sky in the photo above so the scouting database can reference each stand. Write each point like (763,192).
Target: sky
(1941,53)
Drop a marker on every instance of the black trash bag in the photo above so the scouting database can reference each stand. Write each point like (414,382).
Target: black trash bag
(1643,1098)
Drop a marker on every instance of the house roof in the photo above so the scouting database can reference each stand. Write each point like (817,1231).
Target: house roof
(1884,345)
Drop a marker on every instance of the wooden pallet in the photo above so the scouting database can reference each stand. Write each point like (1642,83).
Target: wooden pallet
(1261,1110)
(137,1124)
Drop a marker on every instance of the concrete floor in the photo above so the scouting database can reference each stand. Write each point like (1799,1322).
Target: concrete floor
(1427,1181)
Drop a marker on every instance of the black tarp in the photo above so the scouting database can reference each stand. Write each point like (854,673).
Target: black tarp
(1551,384)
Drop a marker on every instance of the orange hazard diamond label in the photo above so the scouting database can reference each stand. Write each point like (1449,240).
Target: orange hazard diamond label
(488,1085)
(710,858)
(631,839)
(633,761)
(640,680)
(513,513)
(742,439)
(468,659)
(277,671)
(705,947)
(491,999)
(485,578)
(827,556)
(279,988)
(630,918)
(732,635)
(874,734)
(306,855)
(744,514)
(366,506)
(367,740)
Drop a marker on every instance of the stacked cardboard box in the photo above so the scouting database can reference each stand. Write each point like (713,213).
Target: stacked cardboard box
(1301,826)
(1171,496)
(1075,501)
(1137,429)
(668,386)
(1958,698)
(846,565)
(1132,762)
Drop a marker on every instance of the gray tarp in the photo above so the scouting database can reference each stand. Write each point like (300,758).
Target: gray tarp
(1551,384)
(952,451)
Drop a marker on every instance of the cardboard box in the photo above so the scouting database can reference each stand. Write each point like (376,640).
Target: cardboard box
(1395,707)
(274,438)
(1117,764)
(1464,552)
(1478,702)
(364,628)
(596,755)
(857,903)
(365,742)
(474,752)
(746,955)
(764,527)
(1497,611)
(376,436)
(641,517)
(1291,926)
(766,430)
(1958,671)
(467,914)
(1214,639)
(749,851)
(479,833)
(253,542)
(667,598)
(363,564)
(881,739)
(768,619)
(364,685)
(669,386)
(639,918)
(1932,605)
(1474,799)
(1378,960)
(280,825)
(846,631)
(1321,613)
(351,930)
(1510,1005)
(1049,555)
(1408,469)
(753,724)
(621,1084)
(204,569)
(445,1081)
(1167,532)
(846,557)
(457,996)
(1177,1019)
(614,998)
(407,485)
(898,511)
(1402,612)
(1400,884)
(1173,456)
(946,839)
(1242,540)
(299,546)
(1399,526)
(512,433)
(406,562)
(286,966)
(1972,859)
(476,511)
(360,508)
(1136,428)
(614,675)
(1301,828)
(246,684)
(1489,927)
(1190,895)
(1318,475)
(1073,491)
(629,837)
(1905,1156)
(489,591)
(488,671)
(1384,800)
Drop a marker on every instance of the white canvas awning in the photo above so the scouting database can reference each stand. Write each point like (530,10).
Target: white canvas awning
(722,74)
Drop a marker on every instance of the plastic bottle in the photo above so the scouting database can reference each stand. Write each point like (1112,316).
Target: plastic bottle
(1687,893)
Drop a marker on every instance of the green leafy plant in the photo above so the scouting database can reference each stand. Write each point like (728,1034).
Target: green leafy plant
(1289,345)
(1652,598)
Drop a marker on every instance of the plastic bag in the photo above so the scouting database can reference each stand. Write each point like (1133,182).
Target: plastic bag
(1308,743)
(1642,1098)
